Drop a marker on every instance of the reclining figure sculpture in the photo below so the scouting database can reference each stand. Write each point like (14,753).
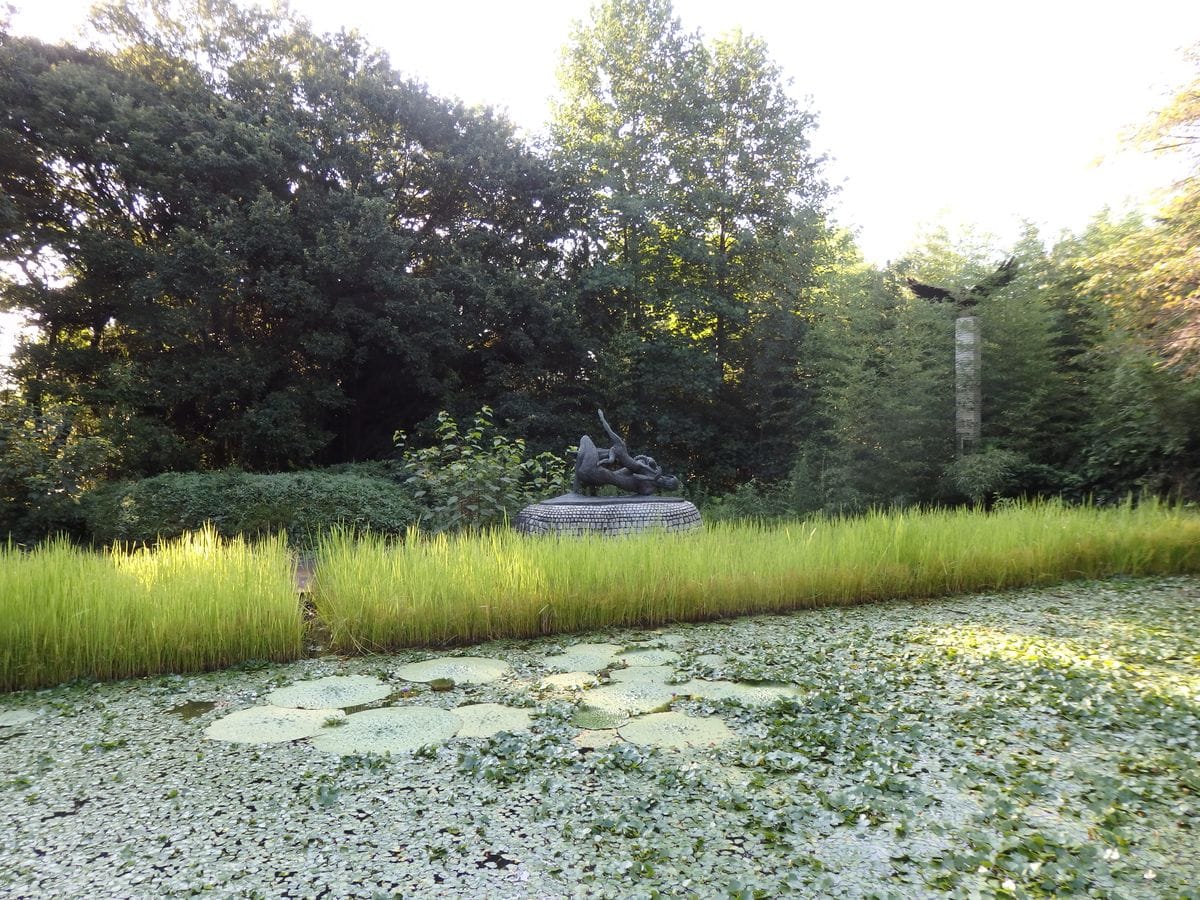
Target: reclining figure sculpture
(595,467)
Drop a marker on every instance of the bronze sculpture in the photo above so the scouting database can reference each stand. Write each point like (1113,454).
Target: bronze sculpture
(596,467)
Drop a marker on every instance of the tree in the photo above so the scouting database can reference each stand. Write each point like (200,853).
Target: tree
(700,208)
(244,243)
(1152,277)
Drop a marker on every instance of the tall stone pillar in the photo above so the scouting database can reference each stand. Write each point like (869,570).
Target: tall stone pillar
(968,397)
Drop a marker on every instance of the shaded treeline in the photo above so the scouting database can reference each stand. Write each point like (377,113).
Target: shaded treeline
(244,244)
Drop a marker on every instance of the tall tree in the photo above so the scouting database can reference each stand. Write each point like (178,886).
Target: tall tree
(246,243)
(1152,277)
(700,209)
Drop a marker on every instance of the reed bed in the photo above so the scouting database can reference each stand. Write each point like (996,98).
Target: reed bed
(196,603)
(374,593)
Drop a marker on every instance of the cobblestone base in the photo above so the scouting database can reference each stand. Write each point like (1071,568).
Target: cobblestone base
(608,518)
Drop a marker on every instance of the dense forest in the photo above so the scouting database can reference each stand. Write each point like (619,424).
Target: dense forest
(244,245)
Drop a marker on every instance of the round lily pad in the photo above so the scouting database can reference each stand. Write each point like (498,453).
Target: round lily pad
(486,719)
(583,658)
(669,638)
(631,697)
(746,694)
(332,692)
(13,717)
(711,660)
(389,730)
(676,731)
(459,669)
(661,674)
(270,724)
(591,718)
(648,657)
(569,681)
(594,740)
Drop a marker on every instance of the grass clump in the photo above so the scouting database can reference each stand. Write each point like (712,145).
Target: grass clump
(376,593)
(197,603)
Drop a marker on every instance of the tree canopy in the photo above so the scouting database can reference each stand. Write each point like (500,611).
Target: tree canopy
(242,243)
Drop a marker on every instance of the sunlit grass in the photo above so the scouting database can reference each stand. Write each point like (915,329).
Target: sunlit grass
(193,604)
(374,593)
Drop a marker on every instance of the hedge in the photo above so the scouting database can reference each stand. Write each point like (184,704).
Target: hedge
(302,504)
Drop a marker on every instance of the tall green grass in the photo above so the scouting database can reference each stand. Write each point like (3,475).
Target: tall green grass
(375,593)
(196,603)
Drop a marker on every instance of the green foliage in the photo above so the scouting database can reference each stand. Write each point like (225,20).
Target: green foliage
(237,237)
(463,588)
(1150,278)
(984,475)
(196,603)
(477,477)
(48,460)
(301,505)
(700,205)
(1144,433)
(887,396)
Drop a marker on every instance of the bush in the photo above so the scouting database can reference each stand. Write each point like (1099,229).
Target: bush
(48,460)
(476,478)
(982,476)
(302,504)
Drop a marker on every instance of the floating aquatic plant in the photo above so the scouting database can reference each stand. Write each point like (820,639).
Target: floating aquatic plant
(593,718)
(631,697)
(583,658)
(569,681)
(270,724)
(487,719)
(10,718)
(389,730)
(596,739)
(746,694)
(676,731)
(331,692)
(648,657)
(660,674)
(459,669)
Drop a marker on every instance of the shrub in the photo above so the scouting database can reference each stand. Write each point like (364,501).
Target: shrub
(48,459)
(302,504)
(478,477)
(984,475)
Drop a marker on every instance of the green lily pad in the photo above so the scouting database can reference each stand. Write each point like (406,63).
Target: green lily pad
(648,657)
(583,658)
(10,718)
(631,697)
(660,674)
(270,724)
(569,681)
(487,719)
(459,669)
(389,730)
(594,740)
(745,694)
(590,718)
(676,731)
(332,692)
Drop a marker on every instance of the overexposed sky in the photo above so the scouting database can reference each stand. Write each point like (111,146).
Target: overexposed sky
(931,111)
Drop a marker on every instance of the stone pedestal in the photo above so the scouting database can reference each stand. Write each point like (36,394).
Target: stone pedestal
(577,514)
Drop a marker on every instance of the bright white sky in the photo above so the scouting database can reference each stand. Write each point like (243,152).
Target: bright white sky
(950,112)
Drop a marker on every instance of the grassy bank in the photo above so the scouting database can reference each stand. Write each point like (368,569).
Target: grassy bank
(374,593)
(202,603)
(192,604)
